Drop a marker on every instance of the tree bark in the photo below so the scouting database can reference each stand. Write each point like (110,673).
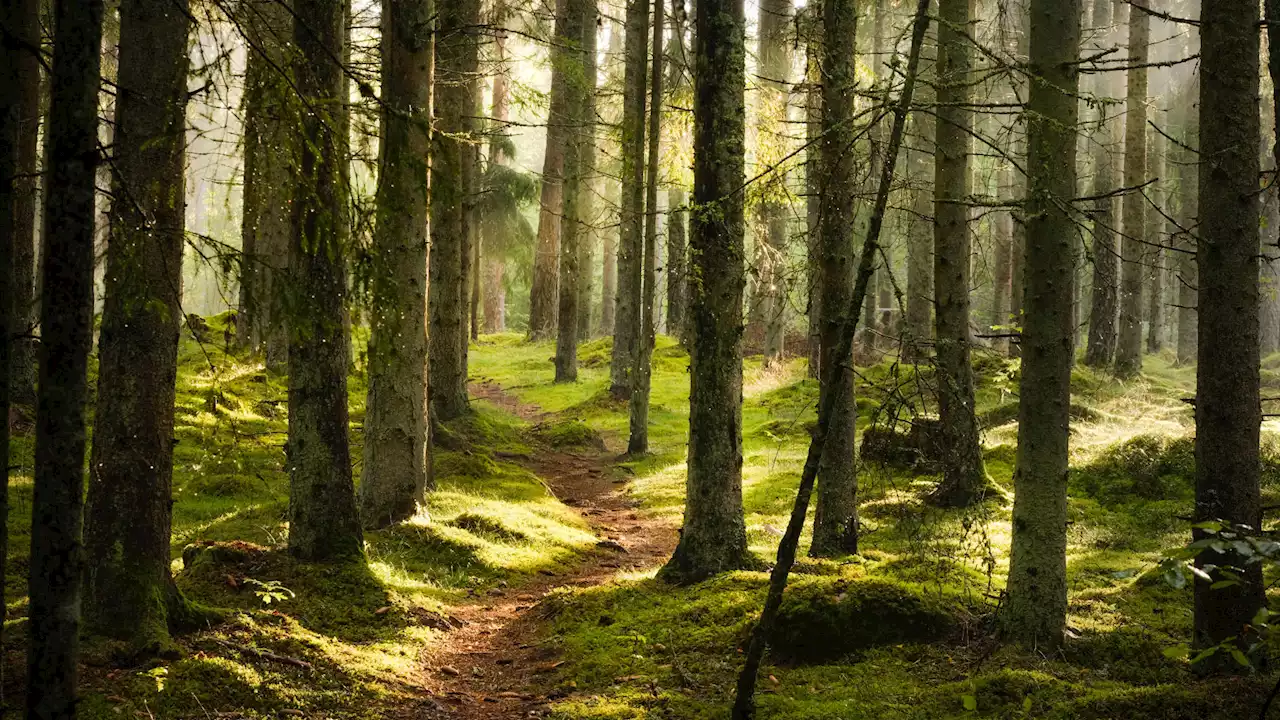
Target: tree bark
(270,127)
(572,56)
(322,508)
(453,104)
(494,264)
(920,172)
(1129,340)
(1188,191)
(638,440)
(774,66)
(1228,411)
(590,180)
(812,28)
(677,198)
(394,477)
(66,319)
(130,594)
(714,538)
(546,259)
(1036,613)
(1104,296)
(963,475)
(1155,253)
(19,32)
(626,329)
(835,520)
(24,23)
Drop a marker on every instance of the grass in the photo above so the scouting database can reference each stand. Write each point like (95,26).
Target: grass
(635,648)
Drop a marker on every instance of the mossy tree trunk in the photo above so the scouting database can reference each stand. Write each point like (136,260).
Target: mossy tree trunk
(130,593)
(1129,337)
(66,319)
(1104,296)
(835,520)
(571,57)
(963,474)
(394,476)
(626,327)
(641,374)
(447,299)
(322,508)
(714,538)
(1019,32)
(1036,613)
(1228,412)
(23,22)
(270,126)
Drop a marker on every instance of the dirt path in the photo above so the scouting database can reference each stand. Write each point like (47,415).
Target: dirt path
(500,664)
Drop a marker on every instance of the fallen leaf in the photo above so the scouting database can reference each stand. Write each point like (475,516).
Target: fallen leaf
(450,671)
(382,610)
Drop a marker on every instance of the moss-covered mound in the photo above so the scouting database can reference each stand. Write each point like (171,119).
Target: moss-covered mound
(571,434)
(822,622)
(1147,467)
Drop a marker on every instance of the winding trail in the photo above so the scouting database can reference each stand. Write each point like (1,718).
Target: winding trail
(501,662)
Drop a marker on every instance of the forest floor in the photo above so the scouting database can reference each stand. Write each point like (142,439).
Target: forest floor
(497,664)
(508,593)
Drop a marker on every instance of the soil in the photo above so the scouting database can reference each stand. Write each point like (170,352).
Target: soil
(501,662)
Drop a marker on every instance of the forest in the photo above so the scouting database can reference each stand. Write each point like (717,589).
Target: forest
(628,359)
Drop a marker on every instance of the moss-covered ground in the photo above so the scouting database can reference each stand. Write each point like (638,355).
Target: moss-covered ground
(901,631)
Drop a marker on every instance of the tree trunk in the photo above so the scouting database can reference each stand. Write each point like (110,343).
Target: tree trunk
(811,30)
(1188,191)
(544,290)
(1129,340)
(714,538)
(1228,413)
(1155,253)
(130,594)
(494,265)
(638,440)
(24,21)
(774,66)
(1020,18)
(394,477)
(572,28)
(453,104)
(269,130)
(1036,613)
(588,208)
(1104,296)
(835,520)
(677,198)
(1002,272)
(920,170)
(626,329)
(322,509)
(963,474)
(66,316)
(19,23)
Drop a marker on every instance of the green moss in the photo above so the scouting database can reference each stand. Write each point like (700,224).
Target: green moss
(1147,467)
(820,621)
(568,434)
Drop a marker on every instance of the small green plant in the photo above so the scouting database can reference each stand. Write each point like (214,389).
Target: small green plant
(269,591)
(159,675)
